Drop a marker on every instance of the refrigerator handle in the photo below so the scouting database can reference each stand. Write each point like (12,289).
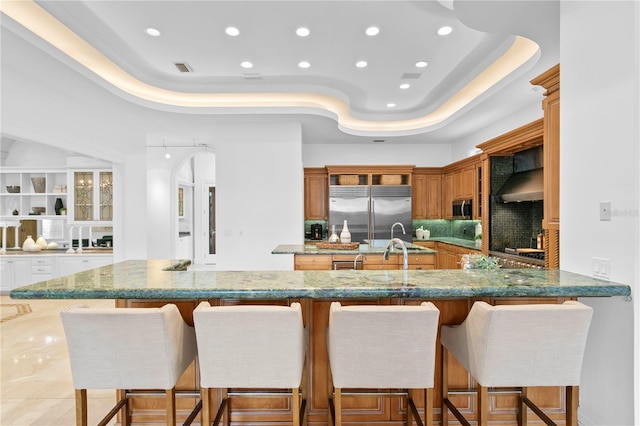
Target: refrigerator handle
(372,231)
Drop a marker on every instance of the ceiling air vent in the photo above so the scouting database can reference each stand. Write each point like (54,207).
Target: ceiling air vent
(411,76)
(251,75)
(182,67)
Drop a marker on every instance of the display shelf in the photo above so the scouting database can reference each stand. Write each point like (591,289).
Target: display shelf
(32,197)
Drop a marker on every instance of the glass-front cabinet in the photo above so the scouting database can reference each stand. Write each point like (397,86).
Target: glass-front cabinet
(92,196)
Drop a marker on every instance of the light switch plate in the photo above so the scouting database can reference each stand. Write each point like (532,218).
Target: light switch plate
(605,210)
(601,267)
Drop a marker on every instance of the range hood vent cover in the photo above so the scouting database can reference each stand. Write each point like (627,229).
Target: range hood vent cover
(523,186)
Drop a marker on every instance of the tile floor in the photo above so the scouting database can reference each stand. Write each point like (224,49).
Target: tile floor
(35,377)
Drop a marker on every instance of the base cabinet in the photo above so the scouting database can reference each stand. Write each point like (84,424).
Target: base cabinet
(370,411)
(78,263)
(20,270)
(14,272)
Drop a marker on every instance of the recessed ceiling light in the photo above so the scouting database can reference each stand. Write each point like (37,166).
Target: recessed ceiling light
(246,64)
(446,30)
(405,85)
(421,64)
(152,32)
(304,64)
(391,105)
(361,64)
(371,31)
(232,31)
(303,32)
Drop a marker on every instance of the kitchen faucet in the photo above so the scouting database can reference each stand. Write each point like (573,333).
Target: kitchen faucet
(390,244)
(401,226)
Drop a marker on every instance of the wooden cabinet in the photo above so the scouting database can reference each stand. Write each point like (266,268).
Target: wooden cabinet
(374,410)
(449,255)
(464,183)
(316,199)
(319,262)
(447,195)
(550,80)
(314,262)
(370,175)
(426,194)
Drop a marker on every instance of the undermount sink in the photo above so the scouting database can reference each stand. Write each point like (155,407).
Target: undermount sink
(377,243)
(383,244)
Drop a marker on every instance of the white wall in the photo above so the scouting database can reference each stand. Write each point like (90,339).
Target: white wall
(423,155)
(259,194)
(599,162)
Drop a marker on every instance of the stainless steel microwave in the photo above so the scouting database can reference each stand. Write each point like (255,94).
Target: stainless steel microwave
(461,209)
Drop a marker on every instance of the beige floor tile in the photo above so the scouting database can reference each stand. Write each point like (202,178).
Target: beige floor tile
(35,378)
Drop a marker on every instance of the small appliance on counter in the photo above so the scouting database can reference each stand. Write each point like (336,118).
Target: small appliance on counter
(316,231)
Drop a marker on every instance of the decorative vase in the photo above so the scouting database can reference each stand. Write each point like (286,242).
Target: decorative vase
(334,237)
(41,242)
(39,184)
(345,235)
(28,244)
(58,205)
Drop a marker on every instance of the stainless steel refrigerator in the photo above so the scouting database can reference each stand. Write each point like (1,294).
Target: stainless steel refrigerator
(370,211)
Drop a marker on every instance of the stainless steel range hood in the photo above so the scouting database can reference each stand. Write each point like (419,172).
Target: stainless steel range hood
(527,181)
(522,186)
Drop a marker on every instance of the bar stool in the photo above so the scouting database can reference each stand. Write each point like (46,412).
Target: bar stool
(382,347)
(518,346)
(250,347)
(127,348)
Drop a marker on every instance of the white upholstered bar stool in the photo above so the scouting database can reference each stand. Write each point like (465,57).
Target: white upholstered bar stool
(250,347)
(518,346)
(383,347)
(127,348)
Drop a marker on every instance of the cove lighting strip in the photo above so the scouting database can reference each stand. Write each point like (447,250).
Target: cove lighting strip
(41,23)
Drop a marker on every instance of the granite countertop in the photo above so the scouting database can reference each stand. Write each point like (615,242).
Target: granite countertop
(363,249)
(148,279)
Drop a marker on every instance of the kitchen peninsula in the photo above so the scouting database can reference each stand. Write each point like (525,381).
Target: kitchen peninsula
(156,282)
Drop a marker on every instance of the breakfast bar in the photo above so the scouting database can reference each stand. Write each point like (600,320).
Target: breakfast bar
(139,283)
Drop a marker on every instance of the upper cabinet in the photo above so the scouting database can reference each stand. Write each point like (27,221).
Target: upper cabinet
(370,175)
(460,182)
(28,193)
(316,187)
(426,193)
(91,195)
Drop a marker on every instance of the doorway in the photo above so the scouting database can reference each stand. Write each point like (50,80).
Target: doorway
(211,193)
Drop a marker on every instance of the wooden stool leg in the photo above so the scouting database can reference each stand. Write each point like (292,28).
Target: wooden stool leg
(170,398)
(206,407)
(444,371)
(483,405)
(81,407)
(227,408)
(295,406)
(572,394)
(337,402)
(522,408)
(125,412)
(428,407)
(409,420)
